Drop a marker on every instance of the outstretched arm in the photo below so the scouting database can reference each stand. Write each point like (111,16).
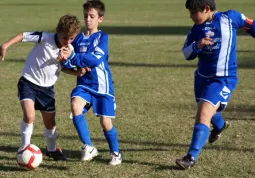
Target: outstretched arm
(241,21)
(16,39)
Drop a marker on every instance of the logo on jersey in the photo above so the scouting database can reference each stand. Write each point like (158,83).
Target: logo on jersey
(225,92)
(83,49)
(209,33)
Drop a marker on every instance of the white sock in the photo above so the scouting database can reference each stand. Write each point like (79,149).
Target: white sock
(26,131)
(50,138)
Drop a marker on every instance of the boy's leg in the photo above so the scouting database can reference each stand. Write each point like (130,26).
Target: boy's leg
(200,133)
(104,106)
(26,126)
(88,152)
(111,136)
(79,121)
(50,133)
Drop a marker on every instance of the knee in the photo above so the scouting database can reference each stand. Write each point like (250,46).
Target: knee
(203,117)
(106,123)
(28,117)
(76,107)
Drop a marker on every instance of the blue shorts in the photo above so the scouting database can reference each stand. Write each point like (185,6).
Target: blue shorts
(103,105)
(43,97)
(214,90)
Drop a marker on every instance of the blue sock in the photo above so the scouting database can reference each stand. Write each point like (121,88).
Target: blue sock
(200,135)
(112,139)
(217,121)
(81,127)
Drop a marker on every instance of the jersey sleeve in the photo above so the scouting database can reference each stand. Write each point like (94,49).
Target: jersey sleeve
(35,37)
(239,20)
(189,48)
(94,58)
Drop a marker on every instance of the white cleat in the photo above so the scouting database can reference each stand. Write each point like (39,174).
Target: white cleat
(116,158)
(88,152)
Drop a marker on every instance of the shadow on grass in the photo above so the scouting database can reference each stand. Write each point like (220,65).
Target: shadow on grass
(152,144)
(11,168)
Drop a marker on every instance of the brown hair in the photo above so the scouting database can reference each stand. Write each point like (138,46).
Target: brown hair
(69,24)
(96,4)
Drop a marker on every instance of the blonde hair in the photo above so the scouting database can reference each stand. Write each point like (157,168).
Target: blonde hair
(69,24)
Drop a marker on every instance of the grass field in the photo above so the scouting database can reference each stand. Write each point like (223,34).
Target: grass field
(154,94)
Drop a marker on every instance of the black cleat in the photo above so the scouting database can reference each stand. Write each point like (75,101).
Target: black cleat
(215,134)
(186,162)
(56,155)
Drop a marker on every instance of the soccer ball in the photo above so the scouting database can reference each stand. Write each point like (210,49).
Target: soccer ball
(30,157)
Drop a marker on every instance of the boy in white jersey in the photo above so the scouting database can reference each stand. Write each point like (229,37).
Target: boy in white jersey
(213,40)
(95,88)
(39,74)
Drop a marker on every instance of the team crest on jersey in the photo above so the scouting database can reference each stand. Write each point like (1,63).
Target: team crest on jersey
(225,92)
(83,49)
(209,33)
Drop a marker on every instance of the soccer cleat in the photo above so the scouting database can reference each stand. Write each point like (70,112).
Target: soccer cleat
(88,152)
(215,134)
(186,162)
(56,155)
(116,158)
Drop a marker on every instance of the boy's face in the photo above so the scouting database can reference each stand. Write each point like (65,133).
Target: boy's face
(92,19)
(64,39)
(198,17)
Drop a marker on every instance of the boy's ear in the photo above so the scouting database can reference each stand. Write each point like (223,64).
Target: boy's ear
(207,9)
(101,19)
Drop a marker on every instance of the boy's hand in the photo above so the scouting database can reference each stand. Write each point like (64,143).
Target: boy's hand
(204,42)
(2,51)
(82,71)
(64,53)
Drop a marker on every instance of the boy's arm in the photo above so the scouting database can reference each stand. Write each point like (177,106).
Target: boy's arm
(78,72)
(92,59)
(241,21)
(24,37)
(250,27)
(190,49)
(16,39)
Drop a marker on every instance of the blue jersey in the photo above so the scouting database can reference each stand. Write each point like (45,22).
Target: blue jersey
(92,51)
(218,59)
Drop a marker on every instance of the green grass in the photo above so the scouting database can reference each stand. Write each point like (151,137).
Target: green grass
(154,94)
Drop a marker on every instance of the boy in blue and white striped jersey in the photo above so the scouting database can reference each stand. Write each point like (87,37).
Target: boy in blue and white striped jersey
(95,88)
(213,40)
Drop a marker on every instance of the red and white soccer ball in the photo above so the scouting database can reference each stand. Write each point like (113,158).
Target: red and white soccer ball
(30,157)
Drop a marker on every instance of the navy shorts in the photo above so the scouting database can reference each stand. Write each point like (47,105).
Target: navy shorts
(43,97)
(103,105)
(214,90)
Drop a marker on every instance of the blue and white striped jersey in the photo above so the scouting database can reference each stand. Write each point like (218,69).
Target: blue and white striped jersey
(92,51)
(218,59)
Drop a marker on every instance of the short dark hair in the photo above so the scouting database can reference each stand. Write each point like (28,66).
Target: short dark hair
(69,24)
(199,5)
(96,4)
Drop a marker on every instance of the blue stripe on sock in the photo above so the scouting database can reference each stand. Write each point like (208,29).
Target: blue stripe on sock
(81,127)
(200,135)
(112,139)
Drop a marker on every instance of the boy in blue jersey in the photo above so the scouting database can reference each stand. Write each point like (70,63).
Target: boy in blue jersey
(95,88)
(213,40)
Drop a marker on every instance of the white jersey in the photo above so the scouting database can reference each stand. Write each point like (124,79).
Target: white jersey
(41,66)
